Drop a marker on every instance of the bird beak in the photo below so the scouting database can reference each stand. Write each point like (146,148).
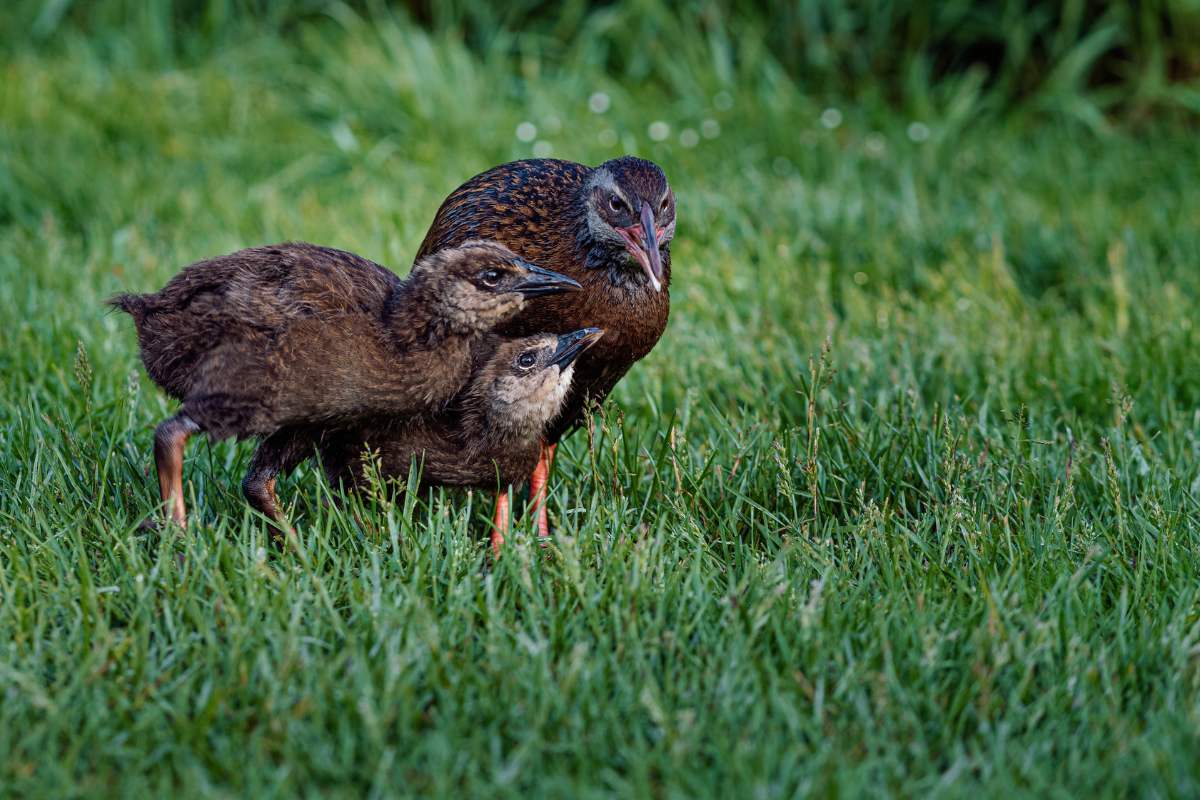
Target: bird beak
(642,243)
(542,281)
(572,345)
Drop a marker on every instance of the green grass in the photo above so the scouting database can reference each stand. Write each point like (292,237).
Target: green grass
(905,502)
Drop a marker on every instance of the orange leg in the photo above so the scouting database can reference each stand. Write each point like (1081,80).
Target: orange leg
(169,439)
(500,520)
(538,488)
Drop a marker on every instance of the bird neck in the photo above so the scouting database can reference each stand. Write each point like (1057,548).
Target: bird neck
(613,262)
(415,314)
(481,428)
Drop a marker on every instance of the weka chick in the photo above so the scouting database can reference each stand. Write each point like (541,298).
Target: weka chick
(495,439)
(275,338)
(610,228)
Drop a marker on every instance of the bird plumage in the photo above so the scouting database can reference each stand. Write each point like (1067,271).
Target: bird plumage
(540,209)
(493,441)
(279,341)
(295,333)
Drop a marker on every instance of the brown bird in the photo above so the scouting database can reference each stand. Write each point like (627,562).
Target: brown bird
(495,437)
(608,227)
(272,340)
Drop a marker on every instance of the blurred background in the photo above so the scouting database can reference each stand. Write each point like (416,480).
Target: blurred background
(1091,57)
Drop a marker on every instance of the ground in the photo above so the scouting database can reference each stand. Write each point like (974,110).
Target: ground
(905,501)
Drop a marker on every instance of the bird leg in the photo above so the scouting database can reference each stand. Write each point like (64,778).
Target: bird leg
(169,439)
(539,488)
(259,488)
(278,453)
(500,520)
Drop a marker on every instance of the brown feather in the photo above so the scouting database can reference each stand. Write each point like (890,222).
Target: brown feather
(538,208)
(292,335)
(492,440)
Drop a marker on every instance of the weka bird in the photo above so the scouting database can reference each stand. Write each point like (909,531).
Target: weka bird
(268,341)
(609,227)
(493,440)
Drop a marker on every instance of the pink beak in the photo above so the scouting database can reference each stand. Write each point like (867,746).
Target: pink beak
(642,243)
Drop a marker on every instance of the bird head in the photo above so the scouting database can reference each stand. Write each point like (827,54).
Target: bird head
(524,382)
(630,205)
(480,284)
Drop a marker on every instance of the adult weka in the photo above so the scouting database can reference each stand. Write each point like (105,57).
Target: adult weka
(608,227)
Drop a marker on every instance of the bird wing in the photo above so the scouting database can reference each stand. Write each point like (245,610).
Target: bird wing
(513,204)
(300,279)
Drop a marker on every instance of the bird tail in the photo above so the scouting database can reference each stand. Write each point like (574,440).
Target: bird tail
(134,305)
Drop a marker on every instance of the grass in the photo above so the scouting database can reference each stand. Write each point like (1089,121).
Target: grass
(905,502)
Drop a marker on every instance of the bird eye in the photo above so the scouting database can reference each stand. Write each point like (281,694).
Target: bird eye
(490,277)
(616,203)
(526,360)
(663,207)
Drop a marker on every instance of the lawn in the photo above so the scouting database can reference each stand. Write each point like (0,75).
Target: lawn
(906,501)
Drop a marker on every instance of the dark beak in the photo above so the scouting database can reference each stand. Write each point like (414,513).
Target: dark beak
(654,270)
(540,281)
(572,345)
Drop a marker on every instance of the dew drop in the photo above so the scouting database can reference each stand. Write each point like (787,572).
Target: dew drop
(831,118)
(526,131)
